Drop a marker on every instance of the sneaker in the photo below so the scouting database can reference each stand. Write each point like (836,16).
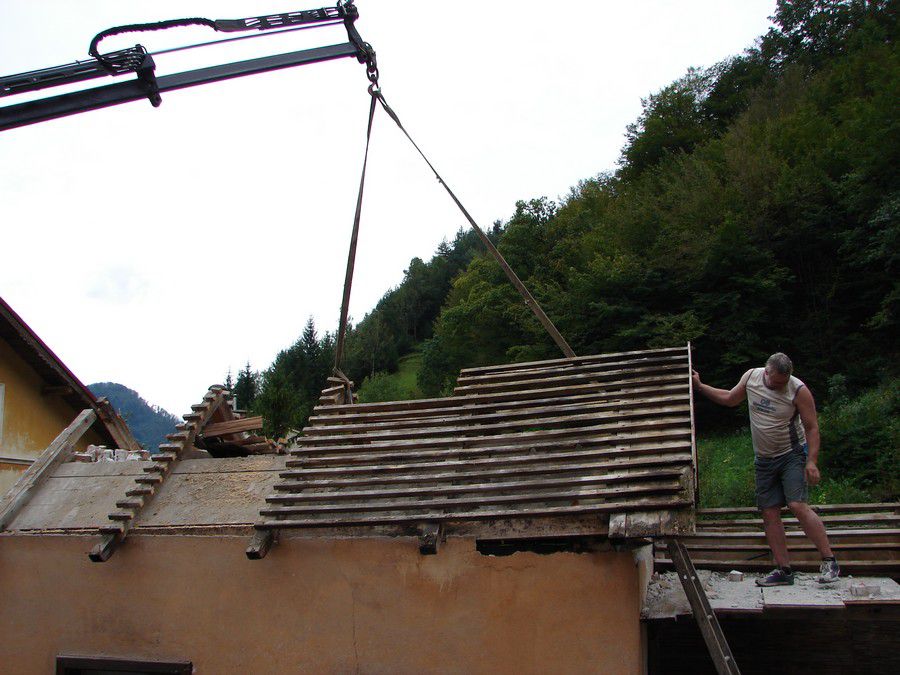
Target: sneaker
(777,577)
(829,572)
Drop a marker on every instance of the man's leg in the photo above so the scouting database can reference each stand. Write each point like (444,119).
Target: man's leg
(813,527)
(771,516)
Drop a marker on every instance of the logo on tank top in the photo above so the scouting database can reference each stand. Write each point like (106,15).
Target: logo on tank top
(764,405)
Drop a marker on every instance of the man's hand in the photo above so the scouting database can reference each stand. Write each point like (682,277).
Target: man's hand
(812,474)
(695,378)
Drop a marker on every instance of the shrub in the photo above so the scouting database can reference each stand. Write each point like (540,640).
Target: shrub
(380,387)
(861,441)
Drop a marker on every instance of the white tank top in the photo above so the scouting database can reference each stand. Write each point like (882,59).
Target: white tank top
(774,420)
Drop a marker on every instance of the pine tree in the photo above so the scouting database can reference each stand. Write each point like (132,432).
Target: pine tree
(246,388)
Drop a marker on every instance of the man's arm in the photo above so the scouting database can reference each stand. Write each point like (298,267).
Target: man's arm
(727,397)
(806,406)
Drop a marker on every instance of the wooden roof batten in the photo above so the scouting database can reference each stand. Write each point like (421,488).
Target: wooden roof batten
(544,446)
(211,419)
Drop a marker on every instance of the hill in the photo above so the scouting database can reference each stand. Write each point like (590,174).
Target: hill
(755,208)
(148,423)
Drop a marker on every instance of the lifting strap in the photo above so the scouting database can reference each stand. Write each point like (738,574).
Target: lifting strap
(351,256)
(532,304)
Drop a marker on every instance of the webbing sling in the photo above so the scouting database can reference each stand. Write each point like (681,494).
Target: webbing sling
(351,258)
(513,277)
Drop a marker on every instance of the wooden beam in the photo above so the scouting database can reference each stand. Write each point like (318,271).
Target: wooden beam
(232,427)
(260,544)
(103,551)
(430,536)
(55,454)
(116,426)
(480,514)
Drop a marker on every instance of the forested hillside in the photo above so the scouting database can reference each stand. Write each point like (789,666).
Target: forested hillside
(754,209)
(148,423)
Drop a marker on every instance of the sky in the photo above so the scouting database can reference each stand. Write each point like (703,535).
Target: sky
(161,247)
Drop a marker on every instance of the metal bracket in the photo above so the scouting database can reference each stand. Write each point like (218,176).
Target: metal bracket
(147,75)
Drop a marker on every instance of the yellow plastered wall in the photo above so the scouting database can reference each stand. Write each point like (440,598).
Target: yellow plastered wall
(318,606)
(30,420)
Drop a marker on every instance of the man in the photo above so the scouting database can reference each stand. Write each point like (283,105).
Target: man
(787,451)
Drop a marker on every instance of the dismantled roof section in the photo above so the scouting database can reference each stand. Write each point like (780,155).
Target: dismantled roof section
(567,446)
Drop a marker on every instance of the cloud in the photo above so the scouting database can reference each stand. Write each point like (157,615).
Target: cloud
(119,285)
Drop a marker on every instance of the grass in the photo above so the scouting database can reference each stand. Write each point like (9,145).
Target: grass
(725,465)
(399,386)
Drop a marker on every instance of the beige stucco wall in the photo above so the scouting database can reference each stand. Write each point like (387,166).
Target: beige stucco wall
(30,420)
(318,606)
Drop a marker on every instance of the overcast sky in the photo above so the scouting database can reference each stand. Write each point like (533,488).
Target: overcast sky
(159,247)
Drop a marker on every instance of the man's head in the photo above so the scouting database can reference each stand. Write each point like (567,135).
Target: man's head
(778,370)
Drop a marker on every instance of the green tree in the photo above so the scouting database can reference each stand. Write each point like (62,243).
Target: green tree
(245,388)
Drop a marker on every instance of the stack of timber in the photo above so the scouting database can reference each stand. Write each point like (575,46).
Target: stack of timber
(865,538)
(575,443)
(232,436)
(338,392)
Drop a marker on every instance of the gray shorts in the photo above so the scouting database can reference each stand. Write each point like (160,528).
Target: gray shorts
(782,479)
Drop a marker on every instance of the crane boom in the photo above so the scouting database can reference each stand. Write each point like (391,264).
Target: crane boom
(136,60)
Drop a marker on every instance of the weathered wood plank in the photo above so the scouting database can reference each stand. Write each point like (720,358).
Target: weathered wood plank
(588,492)
(598,358)
(799,546)
(546,464)
(604,376)
(482,514)
(535,414)
(464,470)
(760,536)
(855,519)
(349,414)
(432,489)
(665,440)
(819,508)
(623,385)
(462,429)
(847,565)
(543,372)
(55,454)
(675,419)
(232,427)
(116,426)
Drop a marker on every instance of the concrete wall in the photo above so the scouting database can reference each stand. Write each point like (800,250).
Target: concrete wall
(30,421)
(317,606)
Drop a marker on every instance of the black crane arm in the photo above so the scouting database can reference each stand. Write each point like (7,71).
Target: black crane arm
(147,85)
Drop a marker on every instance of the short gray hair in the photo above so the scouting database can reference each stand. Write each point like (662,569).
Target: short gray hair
(780,363)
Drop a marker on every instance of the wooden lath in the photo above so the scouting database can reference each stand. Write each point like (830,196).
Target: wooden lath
(864,537)
(146,487)
(596,436)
